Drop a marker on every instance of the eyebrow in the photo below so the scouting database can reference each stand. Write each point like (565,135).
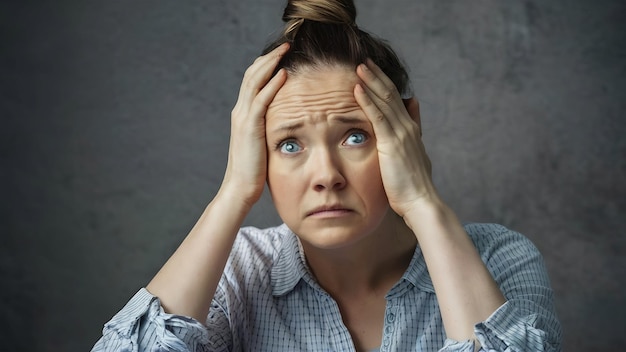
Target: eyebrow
(294,126)
(349,119)
(289,127)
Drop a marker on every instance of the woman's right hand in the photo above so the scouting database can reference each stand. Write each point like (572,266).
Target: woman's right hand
(187,282)
(247,156)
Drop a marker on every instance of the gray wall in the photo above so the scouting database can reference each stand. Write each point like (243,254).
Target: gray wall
(115,120)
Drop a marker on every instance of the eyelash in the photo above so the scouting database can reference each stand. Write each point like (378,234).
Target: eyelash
(278,145)
(284,141)
(357,131)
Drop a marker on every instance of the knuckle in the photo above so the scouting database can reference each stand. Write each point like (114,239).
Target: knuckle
(415,130)
(388,96)
(379,116)
(249,70)
(257,106)
(249,84)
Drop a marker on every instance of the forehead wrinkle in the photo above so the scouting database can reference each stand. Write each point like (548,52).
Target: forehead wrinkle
(313,97)
(293,123)
(295,115)
(297,102)
(307,105)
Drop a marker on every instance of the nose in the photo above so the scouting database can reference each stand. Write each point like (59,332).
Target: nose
(326,171)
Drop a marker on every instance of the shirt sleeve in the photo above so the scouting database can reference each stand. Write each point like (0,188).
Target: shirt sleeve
(527,321)
(142,325)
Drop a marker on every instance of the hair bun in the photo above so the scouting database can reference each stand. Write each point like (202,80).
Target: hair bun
(325,11)
(323,32)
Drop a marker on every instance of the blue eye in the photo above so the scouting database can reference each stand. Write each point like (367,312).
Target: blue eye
(289,147)
(356,138)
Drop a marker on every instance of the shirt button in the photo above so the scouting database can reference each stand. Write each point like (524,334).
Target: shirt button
(386,341)
(391,317)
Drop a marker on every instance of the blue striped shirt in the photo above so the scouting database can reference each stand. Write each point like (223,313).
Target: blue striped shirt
(268,300)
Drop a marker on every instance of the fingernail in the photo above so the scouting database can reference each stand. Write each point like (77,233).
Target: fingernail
(364,67)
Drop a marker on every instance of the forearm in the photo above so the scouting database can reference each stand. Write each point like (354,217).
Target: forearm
(465,289)
(187,282)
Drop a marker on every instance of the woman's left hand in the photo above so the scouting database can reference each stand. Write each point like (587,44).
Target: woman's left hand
(449,252)
(404,165)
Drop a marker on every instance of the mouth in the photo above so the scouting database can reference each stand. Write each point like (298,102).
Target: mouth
(329,211)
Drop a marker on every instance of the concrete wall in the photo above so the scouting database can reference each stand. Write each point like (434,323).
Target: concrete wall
(115,120)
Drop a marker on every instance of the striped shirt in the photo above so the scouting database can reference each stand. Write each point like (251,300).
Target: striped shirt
(268,300)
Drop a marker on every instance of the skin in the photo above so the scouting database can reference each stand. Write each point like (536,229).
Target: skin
(381,183)
(188,280)
(322,152)
(466,292)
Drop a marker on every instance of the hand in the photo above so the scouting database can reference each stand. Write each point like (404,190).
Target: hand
(247,156)
(404,165)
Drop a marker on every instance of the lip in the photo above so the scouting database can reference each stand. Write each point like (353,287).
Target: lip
(329,211)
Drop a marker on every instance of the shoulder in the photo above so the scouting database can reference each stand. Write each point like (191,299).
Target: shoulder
(485,235)
(255,250)
(496,242)
(255,242)
(248,272)
(510,256)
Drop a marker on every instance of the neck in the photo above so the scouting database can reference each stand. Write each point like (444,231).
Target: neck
(370,266)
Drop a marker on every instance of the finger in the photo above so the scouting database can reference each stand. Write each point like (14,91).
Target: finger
(267,94)
(261,62)
(384,94)
(378,72)
(381,125)
(377,82)
(390,104)
(257,75)
(383,106)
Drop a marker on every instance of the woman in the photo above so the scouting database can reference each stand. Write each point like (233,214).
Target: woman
(369,257)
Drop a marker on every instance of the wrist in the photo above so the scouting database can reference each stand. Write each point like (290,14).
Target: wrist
(427,214)
(235,199)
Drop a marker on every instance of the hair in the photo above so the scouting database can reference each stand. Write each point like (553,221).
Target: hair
(324,33)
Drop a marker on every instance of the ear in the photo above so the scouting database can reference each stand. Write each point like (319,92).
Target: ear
(413,108)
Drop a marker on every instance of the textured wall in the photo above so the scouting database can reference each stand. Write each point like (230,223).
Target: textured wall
(115,123)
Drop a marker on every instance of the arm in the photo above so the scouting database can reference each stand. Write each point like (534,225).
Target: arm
(466,291)
(186,284)
(528,320)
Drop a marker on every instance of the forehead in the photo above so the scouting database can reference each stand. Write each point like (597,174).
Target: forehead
(315,91)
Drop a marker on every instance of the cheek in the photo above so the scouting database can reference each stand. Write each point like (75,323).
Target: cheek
(283,186)
(369,182)
(279,187)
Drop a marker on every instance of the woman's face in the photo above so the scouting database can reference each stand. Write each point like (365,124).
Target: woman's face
(323,170)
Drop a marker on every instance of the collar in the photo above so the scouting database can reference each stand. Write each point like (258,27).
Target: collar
(415,276)
(290,267)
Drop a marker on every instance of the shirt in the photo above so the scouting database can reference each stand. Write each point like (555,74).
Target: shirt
(268,300)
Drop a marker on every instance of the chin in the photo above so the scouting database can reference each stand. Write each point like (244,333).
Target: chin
(330,237)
